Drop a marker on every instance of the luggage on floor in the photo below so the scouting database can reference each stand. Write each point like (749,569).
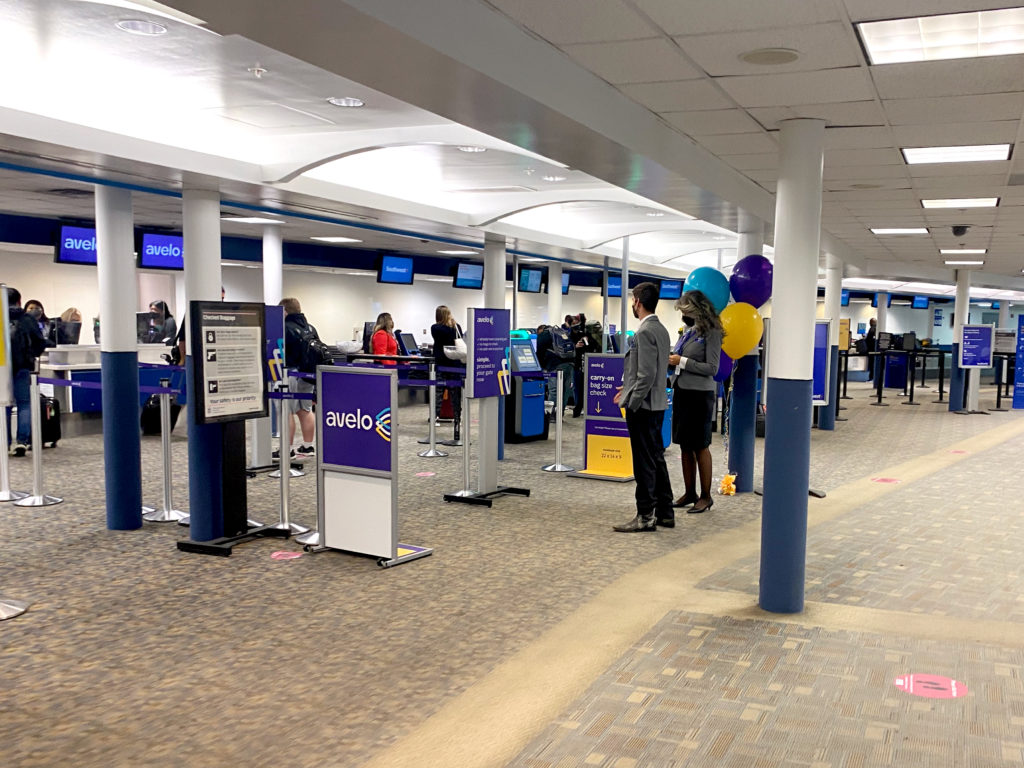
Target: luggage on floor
(150,418)
(447,410)
(49,417)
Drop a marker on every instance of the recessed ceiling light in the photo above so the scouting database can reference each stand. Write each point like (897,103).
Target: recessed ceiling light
(899,230)
(141,27)
(770,57)
(551,177)
(963,251)
(655,214)
(472,149)
(345,101)
(336,239)
(962,202)
(966,154)
(949,36)
(458,253)
(964,263)
(250,220)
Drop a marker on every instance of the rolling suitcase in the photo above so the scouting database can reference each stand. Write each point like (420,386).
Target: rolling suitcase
(49,413)
(149,420)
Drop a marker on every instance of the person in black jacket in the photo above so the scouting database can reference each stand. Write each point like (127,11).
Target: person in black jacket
(871,346)
(583,344)
(444,331)
(297,335)
(27,344)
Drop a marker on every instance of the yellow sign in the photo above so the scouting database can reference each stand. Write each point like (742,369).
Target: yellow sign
(608,456)
(844,334)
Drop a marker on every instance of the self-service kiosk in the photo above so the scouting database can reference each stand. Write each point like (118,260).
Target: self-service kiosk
(525,419)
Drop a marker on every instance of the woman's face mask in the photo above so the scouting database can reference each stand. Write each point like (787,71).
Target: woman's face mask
(689,320)
(36,312)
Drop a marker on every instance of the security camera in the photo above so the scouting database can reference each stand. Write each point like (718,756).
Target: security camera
(959,230)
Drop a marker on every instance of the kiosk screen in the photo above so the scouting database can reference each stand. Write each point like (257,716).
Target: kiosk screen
(523,358)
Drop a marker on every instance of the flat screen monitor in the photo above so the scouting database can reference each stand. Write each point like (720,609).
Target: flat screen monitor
(407,344)
(530,280)
(77,246)
(143,327)
(884,341)
(65,332)
(523,358)
(844,298)
(919,302)
(874,300)
(367,335)
(671,289)
(614,285)
(469,275)
(396,270)
(565,283)
(162,251)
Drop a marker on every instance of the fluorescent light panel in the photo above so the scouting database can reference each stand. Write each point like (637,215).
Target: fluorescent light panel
(964,263)
(458,253)
(949,36)
(962,202)
(336,239)
(899,230)
(975,153)
(963,251)
(250,220)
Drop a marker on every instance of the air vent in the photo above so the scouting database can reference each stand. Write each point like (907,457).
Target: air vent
(77,192)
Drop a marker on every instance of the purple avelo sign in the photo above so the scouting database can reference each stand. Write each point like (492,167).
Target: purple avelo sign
(604,377)
(355,420)
(487,370)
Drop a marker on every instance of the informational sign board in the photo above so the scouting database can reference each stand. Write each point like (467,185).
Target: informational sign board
(1006,341)
(977,343)
(487,345)
(844,334)
(1018,379)
(607,452)
(937,322)
(6,392)
(822,363)
(228,352)
(274,330)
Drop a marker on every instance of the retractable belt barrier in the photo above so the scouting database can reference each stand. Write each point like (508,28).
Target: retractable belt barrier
(558,466)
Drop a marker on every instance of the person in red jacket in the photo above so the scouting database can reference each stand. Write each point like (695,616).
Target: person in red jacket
(383,341)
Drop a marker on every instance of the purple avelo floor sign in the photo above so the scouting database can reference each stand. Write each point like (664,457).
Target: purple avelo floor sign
(487,343)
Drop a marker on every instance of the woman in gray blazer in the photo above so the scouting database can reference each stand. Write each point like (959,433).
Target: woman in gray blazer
(694,363)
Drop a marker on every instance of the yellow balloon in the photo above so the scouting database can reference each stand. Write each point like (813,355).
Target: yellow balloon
(743,327)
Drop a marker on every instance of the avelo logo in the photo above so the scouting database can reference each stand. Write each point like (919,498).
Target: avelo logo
(163,250)
(381,423)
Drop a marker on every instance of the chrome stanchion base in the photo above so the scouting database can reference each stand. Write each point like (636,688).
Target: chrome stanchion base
(311,539)
(164,515)
(276,474)
(147,510)
(11,608)
(558,468)
(250,523)
(185,520)
(431,454)
(292,528)
(38,501)
(463,493)
(12,495)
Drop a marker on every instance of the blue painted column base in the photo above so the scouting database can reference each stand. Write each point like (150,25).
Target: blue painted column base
(205,488)
(957,381)
(742,418)
(121,442)
(827,413)
(787,466)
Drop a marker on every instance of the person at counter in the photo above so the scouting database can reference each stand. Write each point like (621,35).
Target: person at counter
(34,309)
(27,344)
(383,341)
(66,330)
(444,331)
(163,329)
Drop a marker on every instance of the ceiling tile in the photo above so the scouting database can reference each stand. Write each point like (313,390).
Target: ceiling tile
(677,96)
(821,46)
(955,134)
(701,16)
(844,113)
(955,77)
(739,143)
(865,172)
(832,85)
(951,185)
(752,162)
(574,21)
(953,109)
(634,61)
(713,121)
(874,10)
(857,138)
(841,157)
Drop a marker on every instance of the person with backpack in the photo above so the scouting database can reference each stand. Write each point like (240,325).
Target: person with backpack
(303,350)
(27,344)
(583,344)
(556,353)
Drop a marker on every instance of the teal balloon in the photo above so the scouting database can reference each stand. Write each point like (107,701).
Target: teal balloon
(711,283)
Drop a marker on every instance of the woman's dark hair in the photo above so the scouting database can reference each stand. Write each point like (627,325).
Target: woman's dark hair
(696,305)
(43,318)
(162,308)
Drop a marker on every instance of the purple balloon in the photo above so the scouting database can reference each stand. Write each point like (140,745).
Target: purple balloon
(725,364)
(751,280)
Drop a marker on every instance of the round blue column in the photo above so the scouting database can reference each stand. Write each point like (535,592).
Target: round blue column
(121,448)
(742,421)
(827,413)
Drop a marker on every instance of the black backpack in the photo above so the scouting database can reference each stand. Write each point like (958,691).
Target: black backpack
(314,351)
(561,343)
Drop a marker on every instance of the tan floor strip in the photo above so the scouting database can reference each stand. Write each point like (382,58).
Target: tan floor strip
(493,720)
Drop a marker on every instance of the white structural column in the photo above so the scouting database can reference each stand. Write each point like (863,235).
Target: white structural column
(494,298)
(604,307)
(751,234)
(959,382)
(515,290)
(554,292)
(115,243)
(882,312)
(1004,314)
(624,302)
(273,292)
(201,216)
(788,427)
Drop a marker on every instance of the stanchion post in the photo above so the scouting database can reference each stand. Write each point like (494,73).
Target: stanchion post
(167,514)
(846,373)
(6,494)
(466,442)
(284,451)
(432,452)
(879,373)
(284,522)
(38,497)
(942,376)
(558,466)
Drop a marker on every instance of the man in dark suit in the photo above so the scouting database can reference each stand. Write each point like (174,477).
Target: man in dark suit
(643,396)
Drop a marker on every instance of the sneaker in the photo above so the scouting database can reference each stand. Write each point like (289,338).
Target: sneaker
(277,454)
(305,451)
(20,449)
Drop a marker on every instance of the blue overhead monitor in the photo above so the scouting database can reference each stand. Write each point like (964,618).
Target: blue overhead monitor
(162,251)
(614,285)
(530,279)
(844,299)
(874,300)
(77,245)
(469,275)
(671,289)
(396,270)
(919,302)
(565,283)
